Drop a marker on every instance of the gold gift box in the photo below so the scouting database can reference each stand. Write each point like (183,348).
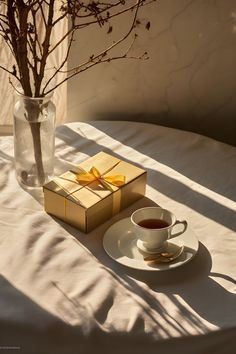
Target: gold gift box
(87,205)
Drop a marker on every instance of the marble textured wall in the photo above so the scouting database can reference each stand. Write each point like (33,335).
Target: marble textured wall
(189,82)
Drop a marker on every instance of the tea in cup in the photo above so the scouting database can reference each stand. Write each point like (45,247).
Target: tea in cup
(154,226)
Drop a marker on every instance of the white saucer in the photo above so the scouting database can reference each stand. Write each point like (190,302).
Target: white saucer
(119,242)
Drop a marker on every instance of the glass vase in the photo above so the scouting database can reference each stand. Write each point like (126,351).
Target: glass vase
(34,127)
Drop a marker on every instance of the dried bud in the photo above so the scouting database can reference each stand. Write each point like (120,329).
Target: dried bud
(30,27)
(14,72)
(109,29)
(148,25)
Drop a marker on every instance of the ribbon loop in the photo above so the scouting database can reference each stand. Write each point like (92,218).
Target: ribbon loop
(117,180)
(94,174)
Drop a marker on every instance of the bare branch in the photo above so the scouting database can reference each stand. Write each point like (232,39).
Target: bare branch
(99,58)
(115,44)
(60,18)
(13,73)
(45,46)
(85,24)
(118,13)
(61,65)
(30,40)
(43,15)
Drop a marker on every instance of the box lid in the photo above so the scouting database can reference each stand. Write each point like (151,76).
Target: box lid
(87,194)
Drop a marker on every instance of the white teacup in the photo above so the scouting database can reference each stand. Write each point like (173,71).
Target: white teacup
(153,227)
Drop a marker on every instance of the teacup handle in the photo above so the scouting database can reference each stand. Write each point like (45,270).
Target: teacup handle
(185,224)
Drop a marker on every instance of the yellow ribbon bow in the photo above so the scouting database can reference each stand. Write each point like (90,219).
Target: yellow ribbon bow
(94,174)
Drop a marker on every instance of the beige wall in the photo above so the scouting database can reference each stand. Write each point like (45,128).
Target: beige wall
(189,82)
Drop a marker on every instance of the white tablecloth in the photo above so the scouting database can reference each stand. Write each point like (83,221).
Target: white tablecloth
(61,293)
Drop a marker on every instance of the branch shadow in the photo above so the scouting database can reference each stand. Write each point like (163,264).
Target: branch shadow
(185,282)
(28,328)
(170,150)
(190,275)
(156,179)
(7,157)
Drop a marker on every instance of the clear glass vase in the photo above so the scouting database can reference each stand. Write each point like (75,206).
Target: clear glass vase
(34,127)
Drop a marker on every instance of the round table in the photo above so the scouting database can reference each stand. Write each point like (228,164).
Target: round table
(59,290)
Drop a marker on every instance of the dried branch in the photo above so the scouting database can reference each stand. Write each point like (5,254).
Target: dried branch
(31,45)
(99,58)
(58,70)
(45,46)
(13,72)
